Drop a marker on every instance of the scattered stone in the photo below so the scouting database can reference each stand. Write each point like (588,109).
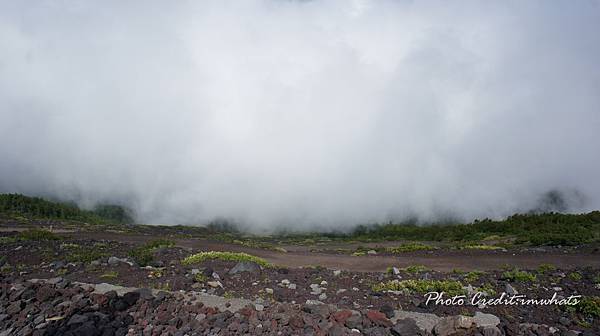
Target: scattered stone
(407,327)
(214,284)
(510,290)
(387,310)
(245,266)
(378,318)
(269,290)
(371,252)
(337,273)
(484,320)
(77,319)
(114,261)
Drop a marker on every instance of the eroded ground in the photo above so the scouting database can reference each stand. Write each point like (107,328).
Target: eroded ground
(370,282)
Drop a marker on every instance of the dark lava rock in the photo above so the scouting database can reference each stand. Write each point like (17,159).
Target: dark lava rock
(387,310)
(318,309)
(406,327)
(353,322)
(119,304)
(77,319)
(131,297)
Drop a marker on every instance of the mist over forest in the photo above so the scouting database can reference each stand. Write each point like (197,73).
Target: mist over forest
(302,114)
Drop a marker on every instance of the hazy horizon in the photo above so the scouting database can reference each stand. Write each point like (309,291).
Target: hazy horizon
(299,114)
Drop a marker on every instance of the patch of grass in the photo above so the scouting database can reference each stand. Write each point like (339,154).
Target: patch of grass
(473,276)
(110,275)
(409,247)
(201,278)
(156,274)
(163,286)
(575,276)
(359,253)
(588,306)
(546,268)
(224,256)
(144,255)
(8,240)
(414,269)
(449,287)
(517,275)
(159,243)
(84,254)
(37,235)
(487,288)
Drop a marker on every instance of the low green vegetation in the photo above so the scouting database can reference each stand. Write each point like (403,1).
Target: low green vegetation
(546,268)
(414,269)
(487,288)
(575,276)
(201,278)
(517,275)
(409,247)
(31,235)
(37,235)
(86,255)
(473,276)
(224,256)
(589,306)
(144,255)
(110,275)
(449,287)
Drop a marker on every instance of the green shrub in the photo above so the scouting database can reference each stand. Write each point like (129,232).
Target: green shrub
(519,276)
(576,276)
(415,269)
(449,287)
(546,268)
(85,254)
(589,306)
(224,256)
(159,243)
(473,276)
(410,247)
(37,235)
(144,255)
(110,275)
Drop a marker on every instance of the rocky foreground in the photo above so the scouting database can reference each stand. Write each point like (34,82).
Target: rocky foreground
(57,306)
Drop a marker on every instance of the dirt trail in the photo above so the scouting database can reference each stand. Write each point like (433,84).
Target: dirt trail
(441,261)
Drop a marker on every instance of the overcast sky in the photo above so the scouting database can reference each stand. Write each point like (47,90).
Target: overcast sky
(301,113)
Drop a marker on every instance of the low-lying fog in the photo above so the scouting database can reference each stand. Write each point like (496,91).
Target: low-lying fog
(302,113)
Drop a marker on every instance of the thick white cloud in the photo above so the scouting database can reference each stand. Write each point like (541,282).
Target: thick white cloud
(296,113)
